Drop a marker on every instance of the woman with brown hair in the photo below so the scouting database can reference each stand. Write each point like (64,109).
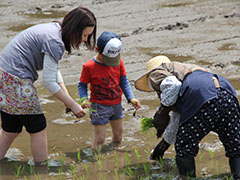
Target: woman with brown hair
(39,47)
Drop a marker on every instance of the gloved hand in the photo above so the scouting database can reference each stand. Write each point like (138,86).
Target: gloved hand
(161,119)
(159,150)
(159,133)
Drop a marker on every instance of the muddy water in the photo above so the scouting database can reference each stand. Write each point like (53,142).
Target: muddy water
(203,32)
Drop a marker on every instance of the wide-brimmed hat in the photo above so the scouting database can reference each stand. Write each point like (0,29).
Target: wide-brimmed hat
(109,45)
(143,83)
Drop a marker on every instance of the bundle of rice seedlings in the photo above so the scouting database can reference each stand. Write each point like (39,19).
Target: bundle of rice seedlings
(146,123)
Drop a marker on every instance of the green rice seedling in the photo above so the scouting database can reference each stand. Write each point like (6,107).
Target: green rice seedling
(201,155)
(146,169)
(161,163)
(127,161)
(116,174)
(146,123)
(82,178)
(62,161)
(137,153)
(228,178)
(60,173)
(99,162)
(37,177)
(217,167)
(116,159)
(211,153)
(100,165)
(86,167)
(31,169)
(122,175)
(129,171)
(81,102)
(25,178)
(79,156)
(144,178)
(170,176)
(175,164)
(103,177)
(48,164)
(134,113)
(73,171)
(148,152)
(20,171)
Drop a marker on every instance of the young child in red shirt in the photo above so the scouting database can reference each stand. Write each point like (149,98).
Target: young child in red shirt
(106,75)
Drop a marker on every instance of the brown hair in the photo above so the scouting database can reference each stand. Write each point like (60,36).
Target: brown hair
(73,25)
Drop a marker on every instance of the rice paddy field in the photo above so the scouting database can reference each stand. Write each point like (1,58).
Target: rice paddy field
(203,32)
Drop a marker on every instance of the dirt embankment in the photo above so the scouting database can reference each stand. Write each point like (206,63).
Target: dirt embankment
(202,31)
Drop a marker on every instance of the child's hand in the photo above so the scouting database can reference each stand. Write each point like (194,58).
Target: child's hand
(135,103)
(86,104)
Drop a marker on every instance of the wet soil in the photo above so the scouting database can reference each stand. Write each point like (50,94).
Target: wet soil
(204,32)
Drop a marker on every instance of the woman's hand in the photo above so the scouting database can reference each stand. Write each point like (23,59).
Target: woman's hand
(161,119)
(159,150)
(77,110)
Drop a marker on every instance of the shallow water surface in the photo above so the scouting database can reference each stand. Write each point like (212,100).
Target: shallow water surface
(185,31)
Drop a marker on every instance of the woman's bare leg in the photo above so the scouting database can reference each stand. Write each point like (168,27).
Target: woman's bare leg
(6,140)
(39,146)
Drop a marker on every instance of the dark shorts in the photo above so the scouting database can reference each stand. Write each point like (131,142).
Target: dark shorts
(220,115)
(102,114)
(14,123)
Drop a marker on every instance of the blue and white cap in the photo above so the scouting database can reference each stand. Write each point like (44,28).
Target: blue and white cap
(109,45)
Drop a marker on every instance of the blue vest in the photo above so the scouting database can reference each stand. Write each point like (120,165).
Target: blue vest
(197,88)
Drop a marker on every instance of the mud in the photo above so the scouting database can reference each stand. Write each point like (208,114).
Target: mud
(203,32)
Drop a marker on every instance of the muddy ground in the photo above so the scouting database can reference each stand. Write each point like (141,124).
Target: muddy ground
(204,32)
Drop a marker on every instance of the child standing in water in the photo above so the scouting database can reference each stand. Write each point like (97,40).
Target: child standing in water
(106,74)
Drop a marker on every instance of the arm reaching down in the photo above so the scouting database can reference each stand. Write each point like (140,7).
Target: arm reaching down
(53,81)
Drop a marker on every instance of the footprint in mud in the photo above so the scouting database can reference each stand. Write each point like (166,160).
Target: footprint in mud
(64,121)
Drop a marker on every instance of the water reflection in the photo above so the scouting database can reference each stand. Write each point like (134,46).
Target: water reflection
(176,4)
(64,121)
(164,169)
(228,46)
(20,27)
(174,57)
(45,14)
(112,160)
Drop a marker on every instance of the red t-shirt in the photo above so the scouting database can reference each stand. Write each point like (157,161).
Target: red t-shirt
(104,82)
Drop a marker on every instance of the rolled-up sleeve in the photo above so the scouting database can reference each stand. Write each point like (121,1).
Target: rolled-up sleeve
(169,87)
(51,74)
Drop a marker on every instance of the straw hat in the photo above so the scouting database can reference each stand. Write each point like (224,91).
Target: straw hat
(143,83)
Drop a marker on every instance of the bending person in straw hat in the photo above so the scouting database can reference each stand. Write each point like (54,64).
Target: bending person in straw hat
(202,102)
